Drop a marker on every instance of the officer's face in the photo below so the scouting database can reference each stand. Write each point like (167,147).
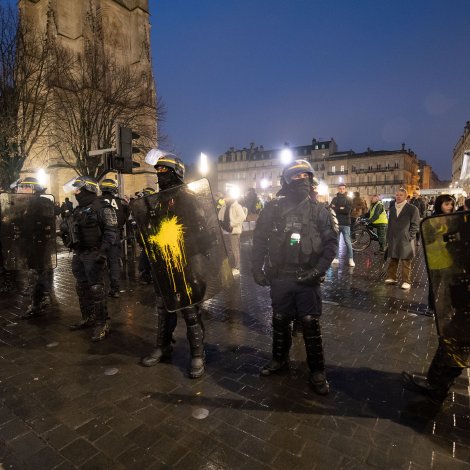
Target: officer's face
(342,189)
(300,176)
(24,189)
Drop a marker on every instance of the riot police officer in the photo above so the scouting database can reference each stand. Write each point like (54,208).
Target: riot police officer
(90,231)
(294,243)
(39,280)
(170,172)
(109,190)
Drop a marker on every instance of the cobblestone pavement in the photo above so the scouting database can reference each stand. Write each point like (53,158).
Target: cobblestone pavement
(69,403)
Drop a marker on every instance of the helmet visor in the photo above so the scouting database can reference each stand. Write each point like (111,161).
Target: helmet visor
(153,155)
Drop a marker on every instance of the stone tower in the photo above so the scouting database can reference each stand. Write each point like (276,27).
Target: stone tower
(125,31)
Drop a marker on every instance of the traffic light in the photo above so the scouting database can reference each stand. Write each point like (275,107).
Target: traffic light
(124,150)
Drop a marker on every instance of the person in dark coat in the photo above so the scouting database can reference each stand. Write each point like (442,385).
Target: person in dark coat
(403,224)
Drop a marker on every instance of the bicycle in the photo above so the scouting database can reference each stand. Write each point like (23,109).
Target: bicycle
(362,235)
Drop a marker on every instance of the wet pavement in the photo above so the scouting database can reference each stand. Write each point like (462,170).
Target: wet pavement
(69,403)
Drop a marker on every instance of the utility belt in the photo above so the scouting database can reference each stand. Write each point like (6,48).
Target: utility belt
(290,272)
(92,249)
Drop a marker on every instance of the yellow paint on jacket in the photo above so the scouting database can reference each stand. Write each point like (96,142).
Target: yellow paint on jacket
(170,242)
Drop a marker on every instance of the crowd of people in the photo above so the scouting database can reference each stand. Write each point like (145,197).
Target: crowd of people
(295,241)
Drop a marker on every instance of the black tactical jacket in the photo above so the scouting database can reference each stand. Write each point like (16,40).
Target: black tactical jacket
(318,232)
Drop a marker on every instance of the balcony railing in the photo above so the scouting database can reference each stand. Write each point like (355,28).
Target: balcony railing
(373,170)
(332,173)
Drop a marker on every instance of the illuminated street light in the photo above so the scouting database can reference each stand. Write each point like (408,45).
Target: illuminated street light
(350,194)
(203,164)
(286,156)
(233,191)
(264,183)
(41,176)
(323,189)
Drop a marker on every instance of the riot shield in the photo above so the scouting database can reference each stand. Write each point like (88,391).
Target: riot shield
(183,241)
(27,231)
(446,242)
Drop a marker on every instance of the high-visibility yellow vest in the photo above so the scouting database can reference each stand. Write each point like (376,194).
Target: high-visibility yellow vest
(382,219)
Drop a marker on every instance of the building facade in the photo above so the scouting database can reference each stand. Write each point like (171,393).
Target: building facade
(370,172)
(125,32)
(461,160)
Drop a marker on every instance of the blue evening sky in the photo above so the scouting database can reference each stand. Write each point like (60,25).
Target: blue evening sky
(369,73)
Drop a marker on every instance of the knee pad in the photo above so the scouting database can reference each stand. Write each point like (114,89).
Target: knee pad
(97,292)
(311,323)
(191,316)
(281,321)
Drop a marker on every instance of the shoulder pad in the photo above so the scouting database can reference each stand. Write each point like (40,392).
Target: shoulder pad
(333,219)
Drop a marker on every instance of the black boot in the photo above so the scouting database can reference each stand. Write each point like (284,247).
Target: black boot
(163,349)
(86,322)
(87,309)
(315,357)
(440,377)
(421,385)
(103,323)
(195,335)
(100,331)
(282,341)
(114,291)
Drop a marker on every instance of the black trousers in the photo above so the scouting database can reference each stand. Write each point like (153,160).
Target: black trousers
(114,265)
(89,275)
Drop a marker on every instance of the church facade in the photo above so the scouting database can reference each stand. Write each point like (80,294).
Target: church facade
(124,32)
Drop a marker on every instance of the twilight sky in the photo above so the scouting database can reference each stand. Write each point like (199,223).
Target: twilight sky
(369,73)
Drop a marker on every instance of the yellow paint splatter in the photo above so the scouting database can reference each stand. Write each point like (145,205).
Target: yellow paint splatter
(170,242)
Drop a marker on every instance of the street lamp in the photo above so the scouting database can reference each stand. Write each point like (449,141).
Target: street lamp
(286,156)
(264,183)
(41,177)
(203,165)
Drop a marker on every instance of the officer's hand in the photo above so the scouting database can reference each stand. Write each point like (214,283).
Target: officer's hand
(260,278)
(100,259)
(310,278)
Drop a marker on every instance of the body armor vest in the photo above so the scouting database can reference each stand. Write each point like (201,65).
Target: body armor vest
(116,203)
(296,237)
(88,224)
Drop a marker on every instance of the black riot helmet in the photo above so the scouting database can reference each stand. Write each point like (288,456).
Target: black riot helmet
(108,185)
(81,182)
(157,157)
(297,167)
(170,168)
(28,183)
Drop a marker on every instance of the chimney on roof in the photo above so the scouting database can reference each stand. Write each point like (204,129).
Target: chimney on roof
(403,146)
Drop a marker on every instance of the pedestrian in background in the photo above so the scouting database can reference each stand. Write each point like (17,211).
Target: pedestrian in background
(403,224)
(342,206)
(359,207)
(378,218)
(420,204)
(231,217)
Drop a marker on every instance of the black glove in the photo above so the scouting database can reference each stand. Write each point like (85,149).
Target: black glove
(310,278)
(260,278)
(100,258)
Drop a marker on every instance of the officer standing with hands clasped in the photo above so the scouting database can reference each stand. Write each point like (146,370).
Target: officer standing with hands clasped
(90,231)
(294,243)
